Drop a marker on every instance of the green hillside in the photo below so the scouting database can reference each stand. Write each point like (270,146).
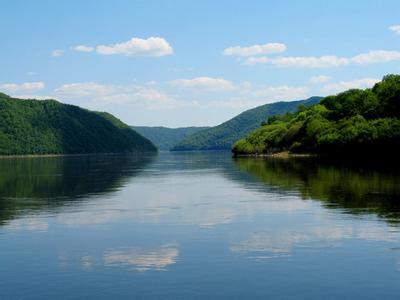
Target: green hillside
(165,138)
(50,127)
(362,122)
(222,137)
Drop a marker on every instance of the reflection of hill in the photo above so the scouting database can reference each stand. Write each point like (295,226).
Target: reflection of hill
(45,182)
(359,190)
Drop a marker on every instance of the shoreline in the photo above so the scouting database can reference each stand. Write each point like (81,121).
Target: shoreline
(71,154)
(284,154)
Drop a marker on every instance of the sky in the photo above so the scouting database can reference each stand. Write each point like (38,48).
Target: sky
(193,63)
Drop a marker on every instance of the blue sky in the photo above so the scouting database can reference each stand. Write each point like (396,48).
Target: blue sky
(179,63)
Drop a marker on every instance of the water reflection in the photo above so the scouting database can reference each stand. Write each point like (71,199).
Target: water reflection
(142,259)
(197,226)
(28,223)
(134,258)
(282,242)
(357,189)
(182,199)
(40,183)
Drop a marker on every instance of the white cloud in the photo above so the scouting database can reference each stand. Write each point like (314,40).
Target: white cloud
(153,46)
(33,96)
(93,94)
(230,95)
(57,53)
(204,83)
(151,82)
(255,49)
(83,48)
(352,84)
(395,29)
(249,96)
(244,95)
(26,87)
(327,61)
(281,93)
(376,56)
(319,79)
(257,60)
(112,94)
(85,89)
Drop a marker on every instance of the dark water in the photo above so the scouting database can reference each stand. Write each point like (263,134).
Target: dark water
(190,226)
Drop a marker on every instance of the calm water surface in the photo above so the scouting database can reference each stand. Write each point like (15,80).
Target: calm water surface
(191,226)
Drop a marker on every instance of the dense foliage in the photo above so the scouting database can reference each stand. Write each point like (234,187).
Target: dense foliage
(50,127)
(355,121)
(166,138)
(222,137)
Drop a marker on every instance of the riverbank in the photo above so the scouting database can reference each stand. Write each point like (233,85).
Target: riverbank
(73,154)
(283,154)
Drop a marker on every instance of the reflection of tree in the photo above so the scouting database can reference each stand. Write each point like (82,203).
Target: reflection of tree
(45,182)
(358,189)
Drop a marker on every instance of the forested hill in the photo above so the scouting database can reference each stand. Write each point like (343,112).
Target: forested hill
(50,127)
(360,122)
(222,137)
(165,138)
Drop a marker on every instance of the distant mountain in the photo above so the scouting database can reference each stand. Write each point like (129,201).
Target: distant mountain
(50,127)
(223,136)
(165,138)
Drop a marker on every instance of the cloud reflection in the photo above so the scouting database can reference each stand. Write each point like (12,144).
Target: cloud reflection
(87,262)
(277,243)
(142,259)
(181,199)
(29,224)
